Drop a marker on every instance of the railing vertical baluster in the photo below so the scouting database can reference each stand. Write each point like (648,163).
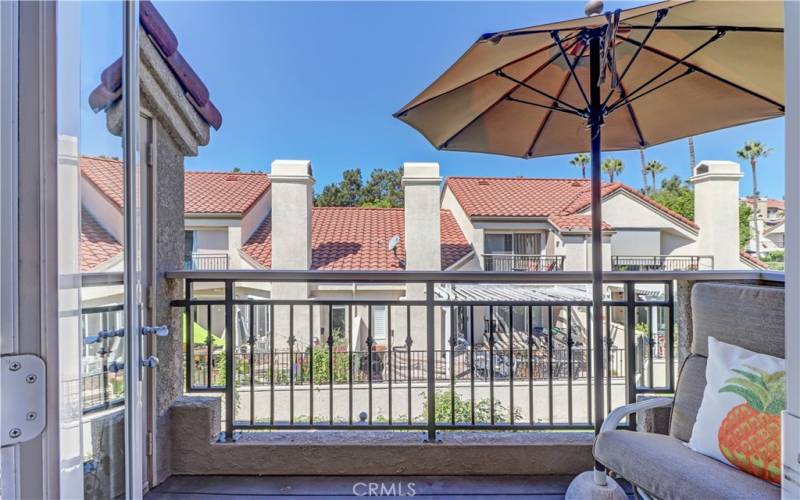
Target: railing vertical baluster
(511,364)
(389,353)
(491,364)
(608,357)
(292,356)
(349,324)
(550,362)
(330,363)
(429,335)
(189,321)
(370,340)
(311,364)
(209,336)
(630,346)
(588,364)
(271,372)
(669,341)
(529,321)
(252,342)
(651,314)
(452,341)
(104,346)
(472,363)
(570,343)
(229,366)
(408,358)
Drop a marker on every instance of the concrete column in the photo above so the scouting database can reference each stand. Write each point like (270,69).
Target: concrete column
(292,199)
(716,211)
(421,183)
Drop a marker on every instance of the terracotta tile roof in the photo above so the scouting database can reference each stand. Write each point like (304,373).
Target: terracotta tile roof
(552,199)
(204,192)
(97,245)
(771,203)
(223,192)
(752,259)
(106,175)
(575,222)
(164,38)
(356,238)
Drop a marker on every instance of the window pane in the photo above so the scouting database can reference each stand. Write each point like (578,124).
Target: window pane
(527,243)
(498,243)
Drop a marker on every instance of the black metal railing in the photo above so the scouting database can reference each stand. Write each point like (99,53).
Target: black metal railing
(662,262)
(207,262)
(102,385)
(436,363)
(522,263)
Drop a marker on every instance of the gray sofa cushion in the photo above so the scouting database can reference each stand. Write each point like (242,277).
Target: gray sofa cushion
(688,396)
(747,316)
(665,467)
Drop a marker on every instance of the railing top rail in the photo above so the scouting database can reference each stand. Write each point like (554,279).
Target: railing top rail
(662,256)
(532,255)
(102,279)
(543,277)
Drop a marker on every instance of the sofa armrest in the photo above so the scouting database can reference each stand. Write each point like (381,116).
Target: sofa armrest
(615,417)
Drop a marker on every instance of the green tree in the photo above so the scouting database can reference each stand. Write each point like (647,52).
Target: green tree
(612,167)
(236,170)
(753,151)
(655,167)
(679,197)
(345,193)
(644,172)
(580,160)
(383,189)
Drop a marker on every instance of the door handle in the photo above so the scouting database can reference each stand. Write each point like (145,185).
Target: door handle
(158,331)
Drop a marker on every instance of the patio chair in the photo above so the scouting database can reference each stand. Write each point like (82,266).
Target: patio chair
(662,465)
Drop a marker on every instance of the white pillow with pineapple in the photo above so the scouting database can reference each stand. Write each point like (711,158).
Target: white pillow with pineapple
(739,421)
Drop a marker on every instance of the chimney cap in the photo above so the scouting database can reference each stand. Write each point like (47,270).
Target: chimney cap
(716,169)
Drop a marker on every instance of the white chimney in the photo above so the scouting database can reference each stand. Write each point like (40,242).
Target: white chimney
(716,211)
(292,199)
(421,183)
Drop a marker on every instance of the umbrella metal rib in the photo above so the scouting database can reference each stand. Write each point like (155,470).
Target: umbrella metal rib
(700,70)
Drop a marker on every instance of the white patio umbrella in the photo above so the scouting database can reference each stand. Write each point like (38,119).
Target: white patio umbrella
(623,80)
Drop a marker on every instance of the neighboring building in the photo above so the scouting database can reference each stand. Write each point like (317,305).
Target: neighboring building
(770,223)
(260,221)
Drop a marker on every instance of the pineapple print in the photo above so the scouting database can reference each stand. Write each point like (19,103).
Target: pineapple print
(750,434)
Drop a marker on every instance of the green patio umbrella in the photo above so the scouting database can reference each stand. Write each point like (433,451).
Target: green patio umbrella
(615,81)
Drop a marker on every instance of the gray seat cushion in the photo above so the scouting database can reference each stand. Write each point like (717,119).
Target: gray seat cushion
(744,315)
(688,396)
(667,468)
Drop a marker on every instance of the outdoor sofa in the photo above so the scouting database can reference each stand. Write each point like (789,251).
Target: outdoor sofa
(662,465)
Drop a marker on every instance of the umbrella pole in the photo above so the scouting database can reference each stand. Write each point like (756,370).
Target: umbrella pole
(595,123)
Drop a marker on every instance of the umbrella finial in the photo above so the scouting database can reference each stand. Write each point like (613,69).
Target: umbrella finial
(593,7)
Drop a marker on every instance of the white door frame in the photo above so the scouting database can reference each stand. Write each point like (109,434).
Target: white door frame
(791,417)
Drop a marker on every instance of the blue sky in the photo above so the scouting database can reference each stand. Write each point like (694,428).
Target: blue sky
(320,81)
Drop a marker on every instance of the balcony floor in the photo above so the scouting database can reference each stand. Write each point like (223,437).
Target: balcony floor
(313,487)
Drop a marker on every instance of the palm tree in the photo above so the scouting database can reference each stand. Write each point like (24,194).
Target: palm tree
(654,168)
(752,152)
(644,171)
(612,167)
(691,156)
(580,160)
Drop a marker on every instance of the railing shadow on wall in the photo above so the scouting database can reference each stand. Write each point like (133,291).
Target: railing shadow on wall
(453,350)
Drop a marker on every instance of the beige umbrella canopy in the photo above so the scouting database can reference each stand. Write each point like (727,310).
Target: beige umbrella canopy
(623,80)
(684,67)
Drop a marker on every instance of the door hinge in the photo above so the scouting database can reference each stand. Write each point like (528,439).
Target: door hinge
(150,443)
(23,389)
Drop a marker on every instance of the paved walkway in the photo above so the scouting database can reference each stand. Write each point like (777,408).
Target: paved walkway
(315,487)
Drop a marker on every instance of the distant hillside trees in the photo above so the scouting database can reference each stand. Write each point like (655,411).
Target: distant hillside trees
(383,190)
(678,196)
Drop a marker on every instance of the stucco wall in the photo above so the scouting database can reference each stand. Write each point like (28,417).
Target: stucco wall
(255,216)
(107,214)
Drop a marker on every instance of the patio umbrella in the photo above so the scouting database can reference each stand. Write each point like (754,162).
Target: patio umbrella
(622,80)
